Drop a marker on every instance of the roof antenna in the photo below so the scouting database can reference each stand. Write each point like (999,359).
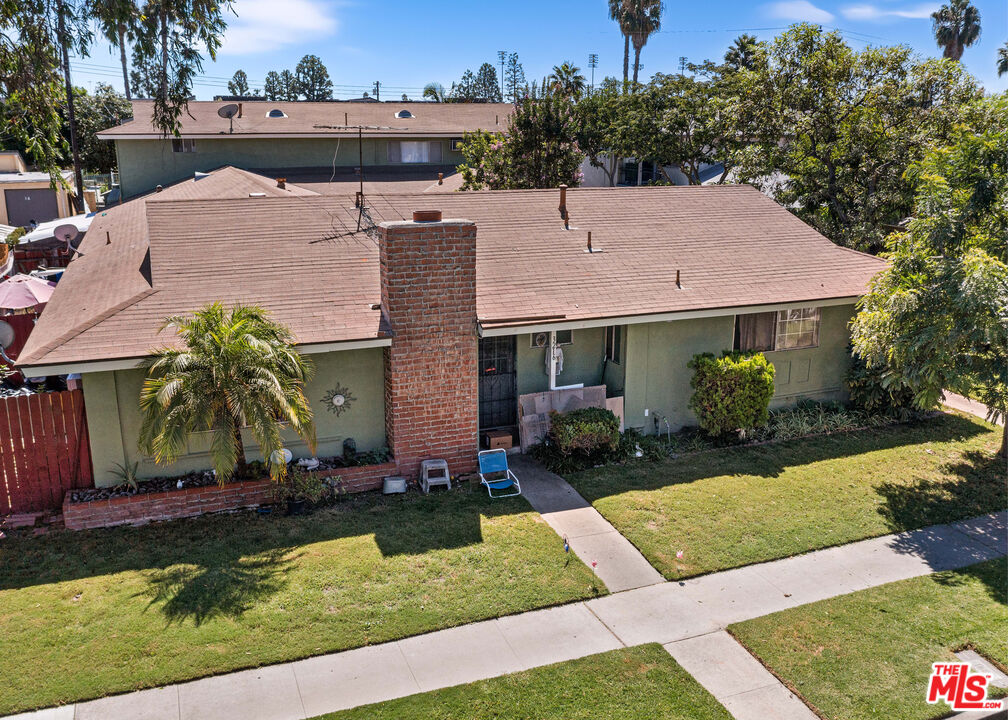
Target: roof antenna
(228,112)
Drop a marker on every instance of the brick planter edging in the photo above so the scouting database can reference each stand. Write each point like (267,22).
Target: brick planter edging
(193,501)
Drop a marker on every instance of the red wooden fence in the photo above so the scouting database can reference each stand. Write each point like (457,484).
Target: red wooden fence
(44,450)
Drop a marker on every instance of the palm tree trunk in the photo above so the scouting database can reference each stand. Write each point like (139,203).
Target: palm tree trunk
(164,54)
(122,57)
(626,60)
(241,467)
(636,65)
(78,199)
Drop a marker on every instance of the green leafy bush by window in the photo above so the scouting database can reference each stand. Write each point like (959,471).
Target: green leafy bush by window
(869,392)
(731,392)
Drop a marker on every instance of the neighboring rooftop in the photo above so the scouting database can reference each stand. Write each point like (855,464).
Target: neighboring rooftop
(301,258)
(320,119)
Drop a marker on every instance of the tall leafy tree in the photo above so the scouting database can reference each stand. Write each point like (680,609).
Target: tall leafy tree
(144,80)
(619,12)
(488,84)
(117,20)
(171,35)
(741,55)
(236,368)
(99,111)
(643,20)
(837,129)
(272,89)
(956,27)
(465,89)
(538,150)
(238,84)
(1002,65)
(937,318)
(514,78)
(289,89)
(603,127)
(567,79)
(312,77)
(31,84)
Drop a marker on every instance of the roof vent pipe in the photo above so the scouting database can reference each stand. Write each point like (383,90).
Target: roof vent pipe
(563,203)
(677,283)
(346,118)
(282,183)
(567,221)
(589,241)
(239,109)
(440,178)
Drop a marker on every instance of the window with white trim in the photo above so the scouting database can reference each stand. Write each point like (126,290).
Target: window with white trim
(797,329)
(563,337)
(183,145)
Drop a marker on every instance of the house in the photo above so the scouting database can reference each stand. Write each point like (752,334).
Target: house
(317,140)
(28,196)
(431,324)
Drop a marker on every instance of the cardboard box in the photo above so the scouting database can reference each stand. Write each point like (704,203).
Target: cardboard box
(494,439)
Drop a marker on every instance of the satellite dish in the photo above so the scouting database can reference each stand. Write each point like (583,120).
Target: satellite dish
(6,335)
(228,112)
(66,233)
(540,339)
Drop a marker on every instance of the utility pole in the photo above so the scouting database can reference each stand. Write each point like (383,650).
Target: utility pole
(377,90)
(502,56)
(592,63)
(71,119)
(682,65)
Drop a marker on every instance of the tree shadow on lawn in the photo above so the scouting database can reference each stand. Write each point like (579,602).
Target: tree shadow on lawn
(990,574)
(228,550)
(772,459)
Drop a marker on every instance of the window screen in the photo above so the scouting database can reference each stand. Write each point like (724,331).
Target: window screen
(797,329)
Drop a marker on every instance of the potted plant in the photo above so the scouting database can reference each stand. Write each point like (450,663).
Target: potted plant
(299,490)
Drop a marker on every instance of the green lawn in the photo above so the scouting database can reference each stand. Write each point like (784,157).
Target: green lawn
(738,506)
(639,682)
(869,654)
(84,614)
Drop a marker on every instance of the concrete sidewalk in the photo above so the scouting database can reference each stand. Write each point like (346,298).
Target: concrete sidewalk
(592,538)
(668,613)
(966,405)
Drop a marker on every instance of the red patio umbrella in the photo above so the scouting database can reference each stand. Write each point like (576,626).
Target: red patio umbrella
(24,291)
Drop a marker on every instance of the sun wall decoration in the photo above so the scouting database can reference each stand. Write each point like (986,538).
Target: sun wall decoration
(338,400)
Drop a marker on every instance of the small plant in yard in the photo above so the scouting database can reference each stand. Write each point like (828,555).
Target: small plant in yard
(581,439)
(128,474)
(236,369)
(732,392)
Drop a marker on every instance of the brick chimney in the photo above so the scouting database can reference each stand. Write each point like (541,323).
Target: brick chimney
(428,294)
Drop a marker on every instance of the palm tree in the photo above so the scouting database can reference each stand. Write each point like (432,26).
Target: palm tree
(568,80)
(434,92)
(618,12)
(1003,60)
(644,19)
(237,368)
(742,52)
(956,27)
(117,22)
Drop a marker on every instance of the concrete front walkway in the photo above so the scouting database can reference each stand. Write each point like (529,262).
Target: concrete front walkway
(669,613)
(620,565)
(966,405)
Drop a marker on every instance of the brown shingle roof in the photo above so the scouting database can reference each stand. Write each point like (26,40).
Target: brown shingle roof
(303,118)
(298,257)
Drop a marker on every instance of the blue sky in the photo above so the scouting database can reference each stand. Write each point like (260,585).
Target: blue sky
(406,44)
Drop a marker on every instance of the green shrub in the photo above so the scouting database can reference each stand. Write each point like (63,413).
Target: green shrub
(869,393)
(731,392)
(586,430)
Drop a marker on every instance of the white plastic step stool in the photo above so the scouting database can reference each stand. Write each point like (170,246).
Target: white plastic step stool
(441,475)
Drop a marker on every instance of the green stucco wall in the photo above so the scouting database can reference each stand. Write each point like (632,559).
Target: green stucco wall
(145,164)
(582,361)
(112,403)
(657,376)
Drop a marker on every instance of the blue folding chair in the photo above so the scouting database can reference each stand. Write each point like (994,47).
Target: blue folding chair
(496,475)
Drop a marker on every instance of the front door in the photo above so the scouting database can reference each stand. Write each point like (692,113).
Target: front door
(498,386)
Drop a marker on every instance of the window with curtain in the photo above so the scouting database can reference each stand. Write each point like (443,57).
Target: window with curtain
(797,329)
(414,151)
(755,332)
